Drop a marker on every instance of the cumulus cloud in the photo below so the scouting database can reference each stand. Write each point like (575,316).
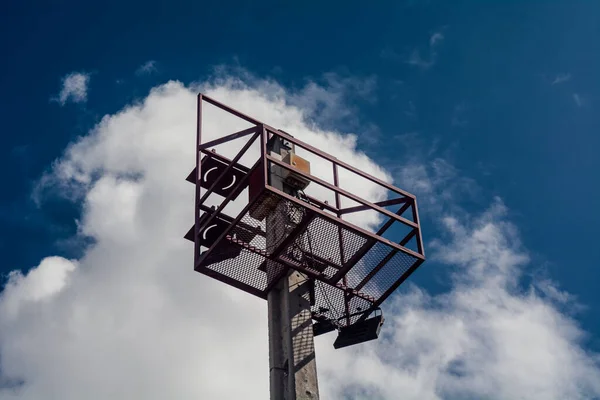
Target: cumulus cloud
(485,338)
(74,88)
(130,318)
(132,305)
(147,68)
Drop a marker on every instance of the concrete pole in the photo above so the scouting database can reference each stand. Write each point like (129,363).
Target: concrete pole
(302,375)
(292,362)
(277,366)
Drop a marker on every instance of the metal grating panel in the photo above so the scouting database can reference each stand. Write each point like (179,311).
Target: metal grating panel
(390,272)
(366,265)
(243,268)
(311,245)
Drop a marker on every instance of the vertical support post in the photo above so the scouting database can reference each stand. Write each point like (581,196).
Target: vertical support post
(277,358)
(302,375)
(198,179)
(338,205)
(292,363)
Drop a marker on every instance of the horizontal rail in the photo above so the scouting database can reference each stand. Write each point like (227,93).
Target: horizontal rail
(230,110)
(384,203)
(343,192)
(233,136)
(346,224)
(334,160)
(321,205)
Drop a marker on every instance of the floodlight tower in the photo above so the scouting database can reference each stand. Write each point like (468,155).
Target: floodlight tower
(318,271)
(292,360)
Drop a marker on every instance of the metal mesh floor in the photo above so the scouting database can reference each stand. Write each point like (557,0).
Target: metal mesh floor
(295,237)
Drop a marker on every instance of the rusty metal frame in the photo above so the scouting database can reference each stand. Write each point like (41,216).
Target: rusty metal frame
(339,163)
(343,192)
(384,203)
(227,169)
(316,208)
(233,136)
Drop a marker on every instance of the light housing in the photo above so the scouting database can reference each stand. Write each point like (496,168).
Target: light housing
(359,332)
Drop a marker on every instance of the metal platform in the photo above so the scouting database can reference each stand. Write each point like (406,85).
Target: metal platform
(354,269)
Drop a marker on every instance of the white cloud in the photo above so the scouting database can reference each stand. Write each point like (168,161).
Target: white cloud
(327,100)
(561,78)
(329,103)
(147,68)
(439,185)
(436,38)
(130,319)
(416,58)
(578,100)
(74,88)
(133,319)
(484,338)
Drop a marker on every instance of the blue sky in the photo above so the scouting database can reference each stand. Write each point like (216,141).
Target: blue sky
(492,99)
